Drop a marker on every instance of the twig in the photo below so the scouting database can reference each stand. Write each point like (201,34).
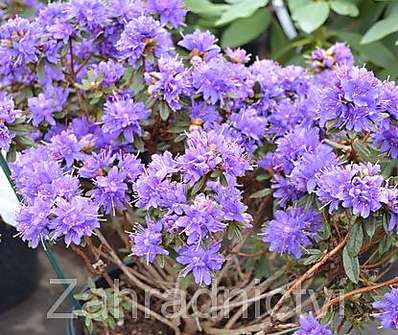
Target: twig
(356,292)
(309,274)
(127,272)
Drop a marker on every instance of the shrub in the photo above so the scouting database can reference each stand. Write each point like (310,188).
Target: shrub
(254,178)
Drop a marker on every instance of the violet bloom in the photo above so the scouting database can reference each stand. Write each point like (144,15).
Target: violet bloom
(66,187)
(354,101)
(67,147)
(110,192)
(169,82)
(146,242)
(33,222)
(201,43)
(130,166)
(46,104)
(310,326)
(154,192)
(123,116)
(292,146)
(211,150)
(392,205)
(220,81)
(307,169)
(200,261)
(75,218)
(94,164)
(8,113)
(19,40)
(33,171)
(386,139)
(365,194)
(337,54)
(238,55)
(143,35)
(201,219)
(284,191)
(250,123)
(109,71)
(292,230)
(170,11)
(388,306)
(91,14)
(5,138)
(333,185)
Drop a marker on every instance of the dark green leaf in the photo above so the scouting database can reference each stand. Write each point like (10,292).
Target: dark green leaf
(355,239)
(205,7)
(311,15)
(344,7)
(380,30)
(351,266)
(245,30)
(241,9)
(164,111)
(261,194)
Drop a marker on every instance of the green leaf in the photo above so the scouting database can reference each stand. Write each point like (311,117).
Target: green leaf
(351,266)
(375,52)
(380,30)
(355,239)
(205,7)
(311,16)
(245,30)
(241,9)
(344,7)
(164,111)
(261,194)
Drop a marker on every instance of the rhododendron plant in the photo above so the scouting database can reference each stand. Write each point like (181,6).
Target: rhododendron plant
(142,144)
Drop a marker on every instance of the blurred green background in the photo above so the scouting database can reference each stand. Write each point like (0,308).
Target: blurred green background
(287,30)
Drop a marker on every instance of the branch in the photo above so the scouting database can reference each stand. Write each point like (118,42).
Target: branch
(356,292)
(309,274)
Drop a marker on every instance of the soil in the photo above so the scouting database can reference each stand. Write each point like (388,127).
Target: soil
(138,327)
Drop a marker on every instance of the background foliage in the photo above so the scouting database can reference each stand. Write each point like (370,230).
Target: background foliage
(370,27)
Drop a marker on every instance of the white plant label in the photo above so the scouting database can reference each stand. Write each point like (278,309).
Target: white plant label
(9,204)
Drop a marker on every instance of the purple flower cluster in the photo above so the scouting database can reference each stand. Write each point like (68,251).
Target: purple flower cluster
(54,205)
(8,115)
(122,116)
(388,307)
(358,187)
(310,326)
(292,230)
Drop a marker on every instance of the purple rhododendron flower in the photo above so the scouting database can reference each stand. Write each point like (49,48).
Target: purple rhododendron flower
(210,150)
(310,326)
(388,306)
(353,101)
(169,83)
(75,218)
(201,43)
(123,116)
(8,113)
(33,222)
(110,191)
(143,35)
(5,138)
(46,104)
(200,261)
(386,139)
(146,242)
(292,230)
(110,71)
(364,194)
(170,11)
(19,40)
(201,219)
